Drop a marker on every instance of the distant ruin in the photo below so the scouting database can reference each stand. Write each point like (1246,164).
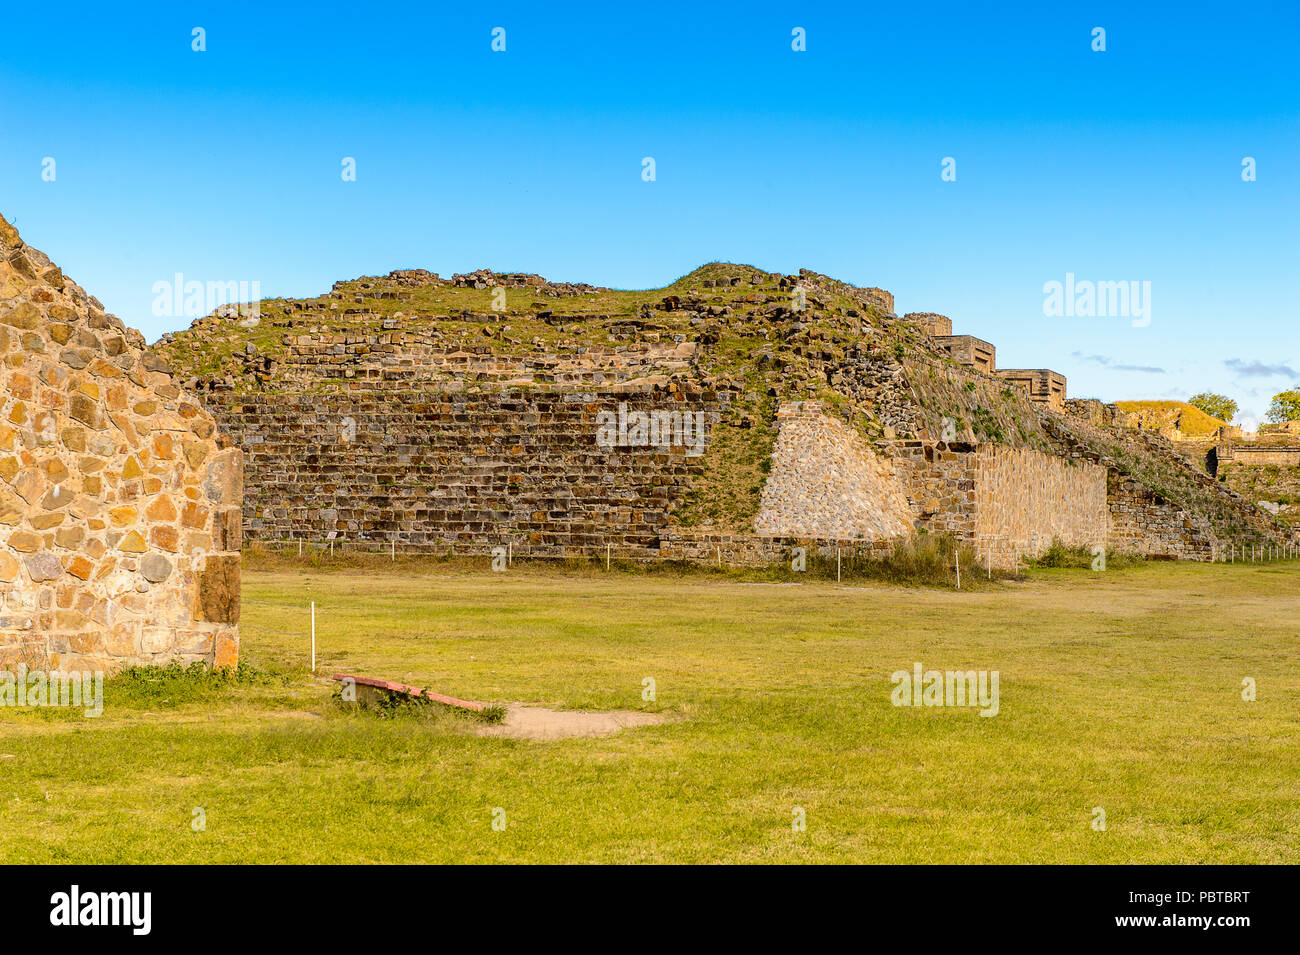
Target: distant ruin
(456,415)
(120,522)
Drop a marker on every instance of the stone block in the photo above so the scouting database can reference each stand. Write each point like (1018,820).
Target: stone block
(218,590)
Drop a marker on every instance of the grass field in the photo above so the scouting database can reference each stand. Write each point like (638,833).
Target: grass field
(1119,690)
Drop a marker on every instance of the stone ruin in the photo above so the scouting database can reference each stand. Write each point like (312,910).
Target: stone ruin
(435,428)
(1042,385)
(487,279)
(120,521)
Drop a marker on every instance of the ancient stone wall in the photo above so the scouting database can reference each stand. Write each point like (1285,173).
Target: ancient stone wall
(472,428)
(932,323)
(1008,503)
(1025,500)
(119,502)
(431,470)
(1211,515)
(1143,522)
(969,350)
(414,359)
(940,481)
(826,482)
(1045,387)
(1258,454)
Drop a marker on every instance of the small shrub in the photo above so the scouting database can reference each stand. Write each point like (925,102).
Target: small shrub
(1080,557)
(176,683)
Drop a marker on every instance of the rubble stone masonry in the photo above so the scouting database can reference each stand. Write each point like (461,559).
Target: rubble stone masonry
(119,501)
(826,482)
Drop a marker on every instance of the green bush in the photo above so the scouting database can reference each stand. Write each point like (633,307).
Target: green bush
(175,683)
(1080,557)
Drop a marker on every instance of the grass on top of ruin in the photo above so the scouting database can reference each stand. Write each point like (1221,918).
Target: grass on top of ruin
(1119,691)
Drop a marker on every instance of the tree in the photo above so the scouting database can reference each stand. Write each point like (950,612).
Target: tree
(1216,406)
(1285,406)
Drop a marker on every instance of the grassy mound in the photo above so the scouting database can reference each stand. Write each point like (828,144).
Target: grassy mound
(1188,419)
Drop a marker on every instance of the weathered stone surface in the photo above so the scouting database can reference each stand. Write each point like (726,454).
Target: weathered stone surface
(155,568)
(432,471)
(826,482)
(218,596)
(43,566)
(225,481)
(91,473)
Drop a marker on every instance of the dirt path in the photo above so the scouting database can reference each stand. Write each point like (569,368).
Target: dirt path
(538,722)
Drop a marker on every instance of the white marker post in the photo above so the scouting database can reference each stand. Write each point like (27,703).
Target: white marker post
(313,636)
(956,562)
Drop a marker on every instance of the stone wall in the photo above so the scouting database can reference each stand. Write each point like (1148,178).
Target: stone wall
(1209,517)
(826,482)
(1143,522)
(119,502)
(1025,500)
(434,470)
(932,323)
(1257,454)
(970,351)
(1008,503)
(413,359)
(1045,387)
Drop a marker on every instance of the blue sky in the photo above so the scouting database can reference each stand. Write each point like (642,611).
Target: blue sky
(1123,165)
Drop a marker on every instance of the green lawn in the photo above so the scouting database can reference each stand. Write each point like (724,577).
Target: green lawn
(1119,690)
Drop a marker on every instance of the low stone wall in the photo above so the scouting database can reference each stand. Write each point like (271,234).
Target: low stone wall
(1258,454)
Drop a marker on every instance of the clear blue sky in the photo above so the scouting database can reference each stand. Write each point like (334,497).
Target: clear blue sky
(1122,165)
